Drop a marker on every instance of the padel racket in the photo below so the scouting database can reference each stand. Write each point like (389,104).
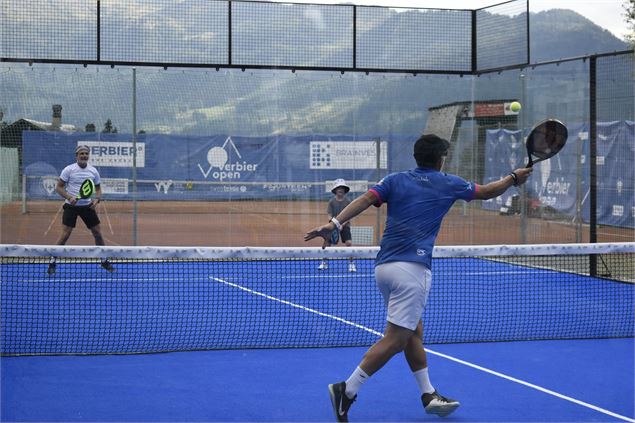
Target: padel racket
(545,140)
(86,189)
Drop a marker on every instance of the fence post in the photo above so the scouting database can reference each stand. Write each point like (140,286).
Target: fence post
(593,161)
(23,193)
(377,178)
(134,156)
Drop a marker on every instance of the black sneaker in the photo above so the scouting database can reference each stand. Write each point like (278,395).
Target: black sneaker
(51,269)
(435,403)
(106,265)
(341,403)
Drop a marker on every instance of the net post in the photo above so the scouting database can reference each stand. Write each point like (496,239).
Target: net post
(593,161)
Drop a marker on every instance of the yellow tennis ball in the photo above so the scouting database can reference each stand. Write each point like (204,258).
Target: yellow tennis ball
(515,107)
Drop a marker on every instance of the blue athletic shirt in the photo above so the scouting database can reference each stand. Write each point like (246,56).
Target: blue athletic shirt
(417,199)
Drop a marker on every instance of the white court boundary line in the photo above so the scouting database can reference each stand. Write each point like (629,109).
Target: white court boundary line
(301,307)
(531,385)
(448,357)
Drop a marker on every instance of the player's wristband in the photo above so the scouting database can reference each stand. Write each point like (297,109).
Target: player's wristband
(515,178)
(337,224)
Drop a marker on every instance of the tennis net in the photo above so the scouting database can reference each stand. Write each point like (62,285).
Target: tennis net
(179,299)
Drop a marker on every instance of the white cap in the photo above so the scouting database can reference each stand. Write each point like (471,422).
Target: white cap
(340,183)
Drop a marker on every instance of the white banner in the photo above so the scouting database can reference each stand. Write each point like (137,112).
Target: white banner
(114,153)
(347,155)
(114,185)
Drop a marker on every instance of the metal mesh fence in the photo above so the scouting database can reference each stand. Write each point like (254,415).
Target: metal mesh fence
(262,34)
(265,122)
(164,32)
(414,39)
(501,35)
(59,30)
(270,34)
(248,154)
(615,105)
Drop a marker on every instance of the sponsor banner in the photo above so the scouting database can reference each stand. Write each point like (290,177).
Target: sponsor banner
(347,155)
(113,153)
(186,167)
(114,186)
(562,182)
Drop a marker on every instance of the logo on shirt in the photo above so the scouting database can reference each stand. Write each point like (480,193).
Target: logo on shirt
(421,252)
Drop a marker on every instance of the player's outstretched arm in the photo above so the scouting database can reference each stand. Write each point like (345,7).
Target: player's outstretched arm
(496,188)
(353,209)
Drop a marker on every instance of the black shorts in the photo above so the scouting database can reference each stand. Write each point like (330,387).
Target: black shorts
(345,234)
(87,213)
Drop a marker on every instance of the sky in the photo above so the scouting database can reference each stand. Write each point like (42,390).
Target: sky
(605,13)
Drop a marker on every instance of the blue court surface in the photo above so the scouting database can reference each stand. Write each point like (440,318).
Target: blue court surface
(232,326)
(556,381)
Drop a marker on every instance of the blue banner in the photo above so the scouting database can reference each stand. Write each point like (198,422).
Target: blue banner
(183,167)
(562,182)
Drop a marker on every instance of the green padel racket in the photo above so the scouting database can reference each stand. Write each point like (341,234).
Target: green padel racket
(86,190)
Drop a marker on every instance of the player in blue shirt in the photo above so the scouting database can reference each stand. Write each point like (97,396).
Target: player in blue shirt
(417,199)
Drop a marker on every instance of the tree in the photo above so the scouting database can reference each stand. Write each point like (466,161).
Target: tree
(90,127)
(629,14)
(108,128)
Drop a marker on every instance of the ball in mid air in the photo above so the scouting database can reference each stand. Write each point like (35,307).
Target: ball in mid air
(515,107)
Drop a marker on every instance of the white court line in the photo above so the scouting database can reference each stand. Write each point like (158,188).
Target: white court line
(531,385)
(457,360)
(289,303)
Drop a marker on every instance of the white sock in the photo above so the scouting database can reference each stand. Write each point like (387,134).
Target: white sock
(355,381)
(423,380)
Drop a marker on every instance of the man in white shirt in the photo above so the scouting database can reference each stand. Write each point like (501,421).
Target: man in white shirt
(68,186)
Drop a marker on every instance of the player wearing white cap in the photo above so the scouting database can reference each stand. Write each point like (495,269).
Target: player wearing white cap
(335,206)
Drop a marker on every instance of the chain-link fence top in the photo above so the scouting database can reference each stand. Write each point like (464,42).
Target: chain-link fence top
(255,34)
(501,35)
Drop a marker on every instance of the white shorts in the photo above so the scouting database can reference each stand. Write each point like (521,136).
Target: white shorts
(404,286)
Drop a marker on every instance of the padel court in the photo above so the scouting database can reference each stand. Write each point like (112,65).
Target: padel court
(277,327)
